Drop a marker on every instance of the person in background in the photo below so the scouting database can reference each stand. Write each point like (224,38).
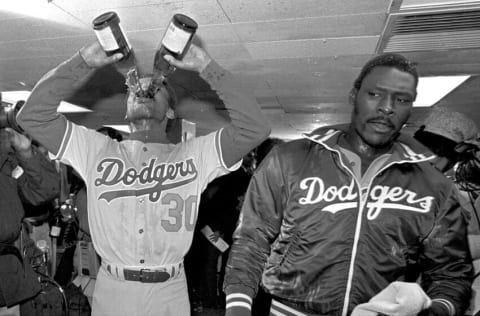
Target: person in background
(27,177)
(443,132)
(143,193)
(219,210)
(349,218)
(454,139)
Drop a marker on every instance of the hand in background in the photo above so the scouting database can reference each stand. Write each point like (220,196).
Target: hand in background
(214,237)
(21,143)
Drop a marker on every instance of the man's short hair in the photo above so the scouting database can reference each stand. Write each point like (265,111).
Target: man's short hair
(393,60)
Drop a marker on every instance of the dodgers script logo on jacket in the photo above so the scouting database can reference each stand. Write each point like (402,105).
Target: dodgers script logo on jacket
(155,177)
(346,197)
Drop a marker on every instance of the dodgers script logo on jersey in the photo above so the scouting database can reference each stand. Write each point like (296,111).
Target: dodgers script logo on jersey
(345,197)
(155,177)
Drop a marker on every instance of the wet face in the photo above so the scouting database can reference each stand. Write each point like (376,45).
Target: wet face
(382,106)
(147,108)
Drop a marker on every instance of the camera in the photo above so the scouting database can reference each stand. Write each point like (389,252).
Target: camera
(8,114)
(467,169)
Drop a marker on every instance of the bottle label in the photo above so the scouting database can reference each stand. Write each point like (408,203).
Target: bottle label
(175,39)
(107,39)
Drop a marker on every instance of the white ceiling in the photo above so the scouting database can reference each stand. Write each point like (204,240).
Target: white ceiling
(300,57)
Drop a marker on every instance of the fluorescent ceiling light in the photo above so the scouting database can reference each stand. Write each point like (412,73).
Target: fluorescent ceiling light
(121,128)
(13,97)
(66,107)
(430,90)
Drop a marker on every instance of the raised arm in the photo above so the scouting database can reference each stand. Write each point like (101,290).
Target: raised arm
(39,181)
(39,116)
(248,127)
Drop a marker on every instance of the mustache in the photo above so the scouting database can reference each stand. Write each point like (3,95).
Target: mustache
(381,119)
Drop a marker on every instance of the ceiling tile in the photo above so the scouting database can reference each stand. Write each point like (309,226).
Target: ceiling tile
(311,28)
(154,14)
(253,10)
(309,122)
(34,28)
(230,52)
(19,50)
(312,48)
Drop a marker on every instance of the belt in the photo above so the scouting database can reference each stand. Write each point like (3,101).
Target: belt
(145,275)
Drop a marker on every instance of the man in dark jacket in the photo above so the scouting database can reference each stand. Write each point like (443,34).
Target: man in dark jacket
(454,138)
(26,176)
(354,219)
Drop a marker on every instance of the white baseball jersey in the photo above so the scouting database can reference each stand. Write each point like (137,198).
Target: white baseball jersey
(143,198)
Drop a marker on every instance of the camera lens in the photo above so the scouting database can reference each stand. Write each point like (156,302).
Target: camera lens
(8,115)
(3,117)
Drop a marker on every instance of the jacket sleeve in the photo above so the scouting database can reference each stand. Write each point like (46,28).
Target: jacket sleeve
(259,225)
(248,127)
(39,116)
(446,261)
(40,181)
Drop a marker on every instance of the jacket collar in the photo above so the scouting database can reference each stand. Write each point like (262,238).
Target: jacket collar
(405,148)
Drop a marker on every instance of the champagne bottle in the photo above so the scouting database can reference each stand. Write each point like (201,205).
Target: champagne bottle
(110,34)
(175,42)
(113,40)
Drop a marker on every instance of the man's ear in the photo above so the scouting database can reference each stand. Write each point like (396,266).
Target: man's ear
(352,96)
(170,113)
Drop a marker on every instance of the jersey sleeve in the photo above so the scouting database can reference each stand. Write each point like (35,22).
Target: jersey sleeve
(80,146)
(208,152)
(38,116)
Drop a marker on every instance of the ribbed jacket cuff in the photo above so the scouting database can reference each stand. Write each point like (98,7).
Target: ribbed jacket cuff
(445,305)
(238,301)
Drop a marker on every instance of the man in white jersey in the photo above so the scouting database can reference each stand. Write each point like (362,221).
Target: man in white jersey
(143,193)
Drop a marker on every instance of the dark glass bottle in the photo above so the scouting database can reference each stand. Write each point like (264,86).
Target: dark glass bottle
(110,34)
(175,42)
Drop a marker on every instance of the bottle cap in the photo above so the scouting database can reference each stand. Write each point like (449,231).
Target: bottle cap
(186,21)
(104,19)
